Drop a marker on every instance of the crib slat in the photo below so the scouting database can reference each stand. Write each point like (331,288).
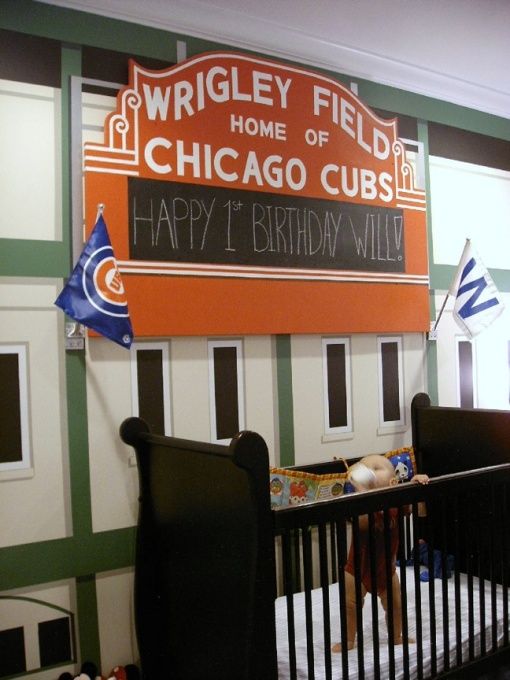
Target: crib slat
(324,577)
(456,580)
(357,579)
(471,605)
(494,530)
(390,614)
(403,588)
(444,587)
(287,539)
(341,551)
(505,559)
(417,594)
(306,536)
(481,588)
(432,602)
(332,553)
(373,594)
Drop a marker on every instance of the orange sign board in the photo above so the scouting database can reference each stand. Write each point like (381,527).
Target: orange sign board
(247,196)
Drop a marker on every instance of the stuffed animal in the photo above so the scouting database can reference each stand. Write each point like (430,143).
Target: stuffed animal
(401,471)
(421,554)
(128,672)
(88,671)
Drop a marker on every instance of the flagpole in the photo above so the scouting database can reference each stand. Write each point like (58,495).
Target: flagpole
(441,311)
(450,289)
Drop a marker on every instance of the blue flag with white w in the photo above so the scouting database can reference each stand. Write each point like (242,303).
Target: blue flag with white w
(94,295)
(477,301)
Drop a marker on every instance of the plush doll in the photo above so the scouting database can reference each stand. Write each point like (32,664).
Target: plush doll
(128,672)
(88,671)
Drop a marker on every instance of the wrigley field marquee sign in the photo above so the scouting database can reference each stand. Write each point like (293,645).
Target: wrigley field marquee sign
(247,196)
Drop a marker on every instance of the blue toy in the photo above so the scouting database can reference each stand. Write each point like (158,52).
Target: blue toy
(422,556)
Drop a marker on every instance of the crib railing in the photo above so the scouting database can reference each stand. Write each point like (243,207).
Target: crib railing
(456,617)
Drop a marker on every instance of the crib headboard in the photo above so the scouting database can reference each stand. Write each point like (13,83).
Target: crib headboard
(455,440)
(205,553)
(448,439)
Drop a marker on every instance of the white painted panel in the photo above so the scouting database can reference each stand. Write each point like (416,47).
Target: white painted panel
(310,443)
(116,619)
(261,390)
(470,201)
(30,166)
(37,508)
(306,353)
(490,354)
(492,364)
(114,483)
(190,388)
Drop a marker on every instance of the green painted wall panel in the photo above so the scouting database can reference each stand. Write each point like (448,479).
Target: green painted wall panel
(285,400)
(88,628)
(66,558)
(34,258)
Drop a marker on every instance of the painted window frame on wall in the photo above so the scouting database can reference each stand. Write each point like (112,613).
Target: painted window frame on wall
(342,389)
(163,347)
(214,405)
(465,372)
(387,391)
(24,463)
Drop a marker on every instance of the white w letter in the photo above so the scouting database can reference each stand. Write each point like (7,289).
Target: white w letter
(155,102)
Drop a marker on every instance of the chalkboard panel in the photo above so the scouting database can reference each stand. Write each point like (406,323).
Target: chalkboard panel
(173,222)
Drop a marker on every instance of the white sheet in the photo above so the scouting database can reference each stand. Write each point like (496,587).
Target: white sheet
(319,660)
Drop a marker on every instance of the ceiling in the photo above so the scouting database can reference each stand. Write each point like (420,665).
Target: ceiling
(454,50)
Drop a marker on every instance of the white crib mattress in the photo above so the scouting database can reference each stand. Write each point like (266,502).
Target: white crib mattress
(318,635)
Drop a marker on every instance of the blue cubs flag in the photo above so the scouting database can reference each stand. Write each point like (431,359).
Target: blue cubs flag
(94,295)
(477,301)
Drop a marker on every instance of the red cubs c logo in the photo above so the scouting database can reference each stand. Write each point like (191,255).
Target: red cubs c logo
(108,282)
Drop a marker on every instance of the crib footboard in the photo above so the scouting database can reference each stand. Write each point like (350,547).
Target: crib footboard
(204,570)
(451,599)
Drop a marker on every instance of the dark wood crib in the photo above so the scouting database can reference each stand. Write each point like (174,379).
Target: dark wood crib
(227,588)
